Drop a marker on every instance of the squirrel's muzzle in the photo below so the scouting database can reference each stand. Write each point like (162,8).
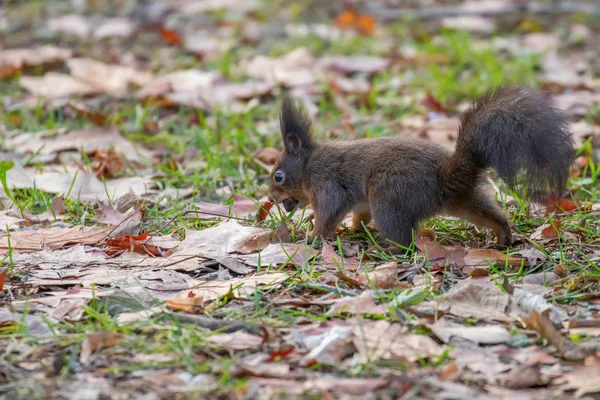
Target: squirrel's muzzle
(289,204)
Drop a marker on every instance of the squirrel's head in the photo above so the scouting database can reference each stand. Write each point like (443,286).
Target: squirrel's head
(285,182)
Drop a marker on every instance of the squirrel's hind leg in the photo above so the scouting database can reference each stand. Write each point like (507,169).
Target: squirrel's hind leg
(482,210)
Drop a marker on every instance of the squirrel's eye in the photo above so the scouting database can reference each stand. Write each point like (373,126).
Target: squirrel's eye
(278,177)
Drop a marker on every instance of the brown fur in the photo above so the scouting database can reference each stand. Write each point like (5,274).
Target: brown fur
(401,181)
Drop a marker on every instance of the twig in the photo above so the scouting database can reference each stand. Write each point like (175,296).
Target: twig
(390,14)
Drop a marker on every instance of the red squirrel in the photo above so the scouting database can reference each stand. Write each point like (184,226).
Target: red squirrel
(400,181)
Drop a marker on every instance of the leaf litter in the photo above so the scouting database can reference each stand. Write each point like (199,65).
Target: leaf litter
(122,138)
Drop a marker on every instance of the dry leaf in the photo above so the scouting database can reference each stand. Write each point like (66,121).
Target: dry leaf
(94,342)
(109,78)
(584,378)
(263,212)
(192,305)
(241,287)
(88,140)
(551,230)
(383,340)
(523,377)
(353,64)
(8,222)
(479,300)
(529,302)
(481,258)
(471,23)
(281,253)
(441,255)
(135,244)
(567,349)
(433,104)
(71,24)
(238,340)
(350,19)
(445,330)
(15,60)
(54,85)
(382,277)
(170,36)
(126,222)
(107,162)
(291,70)
(87,113)
(266,157)
(114,27)
(242,207)
(54,239)
(362,304)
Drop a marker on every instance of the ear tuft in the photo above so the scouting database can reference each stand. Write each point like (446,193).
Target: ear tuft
(295,126)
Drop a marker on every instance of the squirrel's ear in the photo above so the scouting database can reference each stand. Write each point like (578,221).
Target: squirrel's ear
(295,127)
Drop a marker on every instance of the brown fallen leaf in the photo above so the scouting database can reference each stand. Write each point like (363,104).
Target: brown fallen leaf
(445,330)
(55,85)
(88,140)
(242,207)
(286,388)
(70,24)
(584,378)
(567,349)
(351,19)
(15,60)
(108,78)
(433,104)
(551,230)
(282,234)
(54,239)
(377,340)
(481,258)
(189,304)
(2,278)
(95,342)
(262,365)
(114,27)
(170,36)
(135,244)
(127,223)
(450,372)
(353,64)
(523,377)
(331,258)
(294,69)
(241,287)
(479,300)
(528,302)
(382,277)
(356,305)
(8,222)
(440,255)
(81,110)
(279,254)
(238,340)
(107,162)
(471,23)
(263,212)
(266,157)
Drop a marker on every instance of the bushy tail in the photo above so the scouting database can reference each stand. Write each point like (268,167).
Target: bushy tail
(513,129)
